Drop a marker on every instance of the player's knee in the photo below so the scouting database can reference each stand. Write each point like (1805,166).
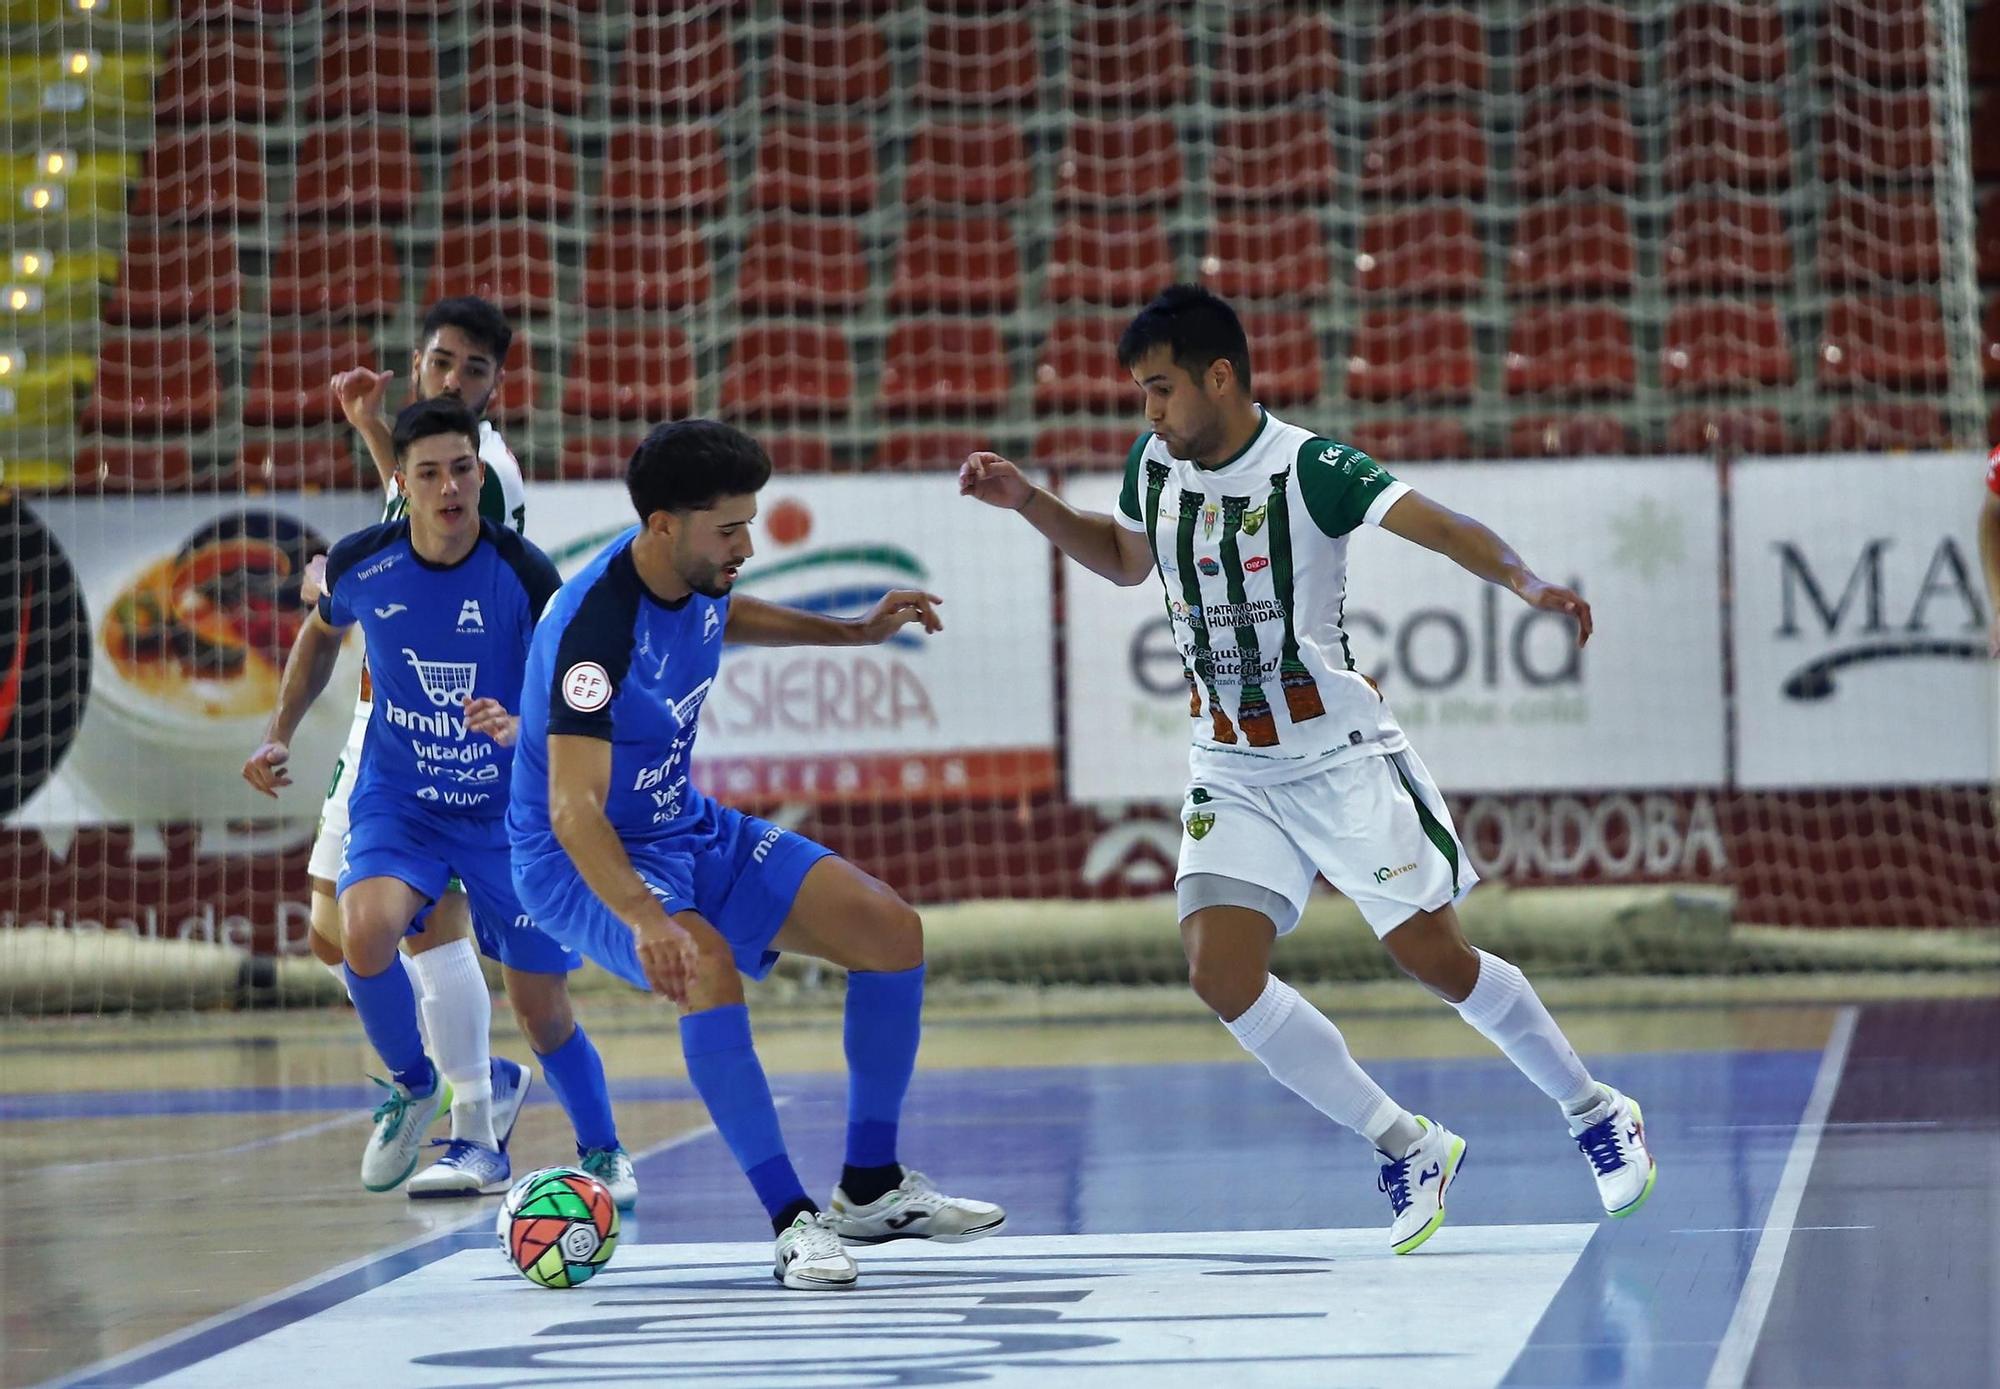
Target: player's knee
(368,941)
(897,942)
(1226,985)
(715,982)
(1440,960)
(543,1012)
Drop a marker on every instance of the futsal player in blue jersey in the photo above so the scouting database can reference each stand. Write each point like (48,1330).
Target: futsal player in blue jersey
(447,603)
(619,855)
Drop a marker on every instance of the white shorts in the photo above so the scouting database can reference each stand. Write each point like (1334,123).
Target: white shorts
(331,838)
(1376,828)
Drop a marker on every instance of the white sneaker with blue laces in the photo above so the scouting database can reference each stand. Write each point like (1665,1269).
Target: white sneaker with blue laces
(511,1081)
(401,1121)
(613,1167)
(1415,1184)
(466,1169)
(1613,1137)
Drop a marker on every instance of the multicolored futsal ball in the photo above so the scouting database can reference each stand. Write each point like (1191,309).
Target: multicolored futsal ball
(558,1227)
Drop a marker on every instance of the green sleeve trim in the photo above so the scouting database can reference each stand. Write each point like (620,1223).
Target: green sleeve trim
(1339,483)
(1128,495)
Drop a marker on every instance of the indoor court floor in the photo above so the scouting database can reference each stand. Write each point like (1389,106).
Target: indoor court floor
(180,1208)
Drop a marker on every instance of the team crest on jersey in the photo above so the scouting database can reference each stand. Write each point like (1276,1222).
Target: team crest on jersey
(1207,565)
(470,619)
(1200,823)
(1209,514)
(586,687)
(447,684)
(711,623)
(1253,519)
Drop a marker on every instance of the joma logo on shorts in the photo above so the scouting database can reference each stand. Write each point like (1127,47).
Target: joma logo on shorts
(1382,875)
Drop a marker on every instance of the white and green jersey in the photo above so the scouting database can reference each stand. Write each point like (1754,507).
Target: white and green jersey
(1253,557)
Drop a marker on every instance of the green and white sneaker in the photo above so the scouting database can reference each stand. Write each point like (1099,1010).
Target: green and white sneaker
(916,1209)
(1613,1137)
(613,1167)
(1416,1182)
(401,1121)
(810,1256)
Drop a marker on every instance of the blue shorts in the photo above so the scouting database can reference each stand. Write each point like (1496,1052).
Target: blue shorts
(389,836)
(740,873)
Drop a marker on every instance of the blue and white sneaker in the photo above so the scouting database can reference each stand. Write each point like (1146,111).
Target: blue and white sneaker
(1416,1182)
(511,1083)
(613,1167)
(401,1121)
(1613,1137)
(466,1169)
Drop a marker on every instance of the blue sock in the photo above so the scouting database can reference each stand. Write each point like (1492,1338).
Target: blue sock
(884,1023)
(730,1079)
(576,1073)
(388,1008)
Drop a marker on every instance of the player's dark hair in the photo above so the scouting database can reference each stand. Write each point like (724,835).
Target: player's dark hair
(1199,326)
(427,418)
(473,317)
(690,465)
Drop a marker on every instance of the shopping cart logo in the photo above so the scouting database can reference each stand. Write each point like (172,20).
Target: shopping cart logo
(447,684)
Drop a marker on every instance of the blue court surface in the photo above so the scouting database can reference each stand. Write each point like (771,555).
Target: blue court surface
(1195,1224)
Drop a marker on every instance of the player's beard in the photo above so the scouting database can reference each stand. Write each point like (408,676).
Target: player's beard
(1190,448)
(708,580)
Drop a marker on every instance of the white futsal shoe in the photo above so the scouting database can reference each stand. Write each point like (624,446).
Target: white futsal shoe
(511,1081)
(1613,1137)
(1416,1182)
(466,1169)
(810,1255)
(916,1209)
(613,1167)
(401,1121)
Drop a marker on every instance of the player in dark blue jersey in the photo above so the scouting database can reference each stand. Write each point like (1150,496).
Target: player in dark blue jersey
(447,603)
(619,855)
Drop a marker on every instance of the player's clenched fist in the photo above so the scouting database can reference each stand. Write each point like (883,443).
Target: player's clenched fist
(490,716)
(360,392)
(667,954)
(266,768)
(993,480)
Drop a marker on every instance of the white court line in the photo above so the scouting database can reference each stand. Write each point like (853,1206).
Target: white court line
(1739,1342)
(482,1216)
(1754,1229)
(271,1141)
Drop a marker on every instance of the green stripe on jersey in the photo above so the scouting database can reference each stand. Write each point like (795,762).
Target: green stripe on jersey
(1303,699)
(1434,829)
(1197,617)
(1253,708)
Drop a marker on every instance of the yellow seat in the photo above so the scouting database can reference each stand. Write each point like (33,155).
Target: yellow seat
(94,185)
(35,473)
(38,398)
(76,82)
(45,14)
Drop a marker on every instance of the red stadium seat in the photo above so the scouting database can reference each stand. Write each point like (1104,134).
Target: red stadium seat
(1725,347)
(1133,162)
(1577,47)
(1887,425)
(983,165)
(520,385)
(1988,235)
(1573,145)
(519,67)
(1108,260)
(948,367)
(794,452)
(815,167)
(155,383)
(368,70)
(1420,50)
(146,469)
(971,266)
(658,171)
(1730,432)
(1262,255)
(1569,436)
(310,463)
(1572,248)
(216,72)
(684,67)
(1434,251)
(1884,340)
(1286,367)
(512,265)
(1273,56)
(1863,239)
(926,451)
(1078,369)
(1282,158)
(980,63)
(788,371)
(802,265)
(356,174)
(1093,449)
(821,65)
(1876,136)
(1411,441)
(1725,44)
(1885,42)
(1570,351)
(512,171)
(241,11)
(203,175)
(1985,122)
(1982,63)
(170,277)
(1400,354)
(288,387)
(1740,143)
(1425,152)
(597,457)
(631,374)
(1724,243)
(335,275)
(1132,60)
(647,269)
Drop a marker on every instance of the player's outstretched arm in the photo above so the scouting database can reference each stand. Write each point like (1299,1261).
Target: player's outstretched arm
(1091,538)
(361,393)
(1989,560)
(307,669)
(1477,550)
(579,780)
(753,622)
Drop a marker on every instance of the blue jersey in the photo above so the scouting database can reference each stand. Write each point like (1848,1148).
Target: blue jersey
(437,635)
(611,661)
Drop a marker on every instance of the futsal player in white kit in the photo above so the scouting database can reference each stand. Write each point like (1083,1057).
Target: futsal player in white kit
(1298,767)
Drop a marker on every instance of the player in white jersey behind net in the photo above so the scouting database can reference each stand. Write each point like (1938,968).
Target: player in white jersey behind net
(1298,767)
(461,354)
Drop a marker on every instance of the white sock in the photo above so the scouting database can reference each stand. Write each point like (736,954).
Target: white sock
(1504,1008)
(458,1012)
(1301,1047)
(339,973)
